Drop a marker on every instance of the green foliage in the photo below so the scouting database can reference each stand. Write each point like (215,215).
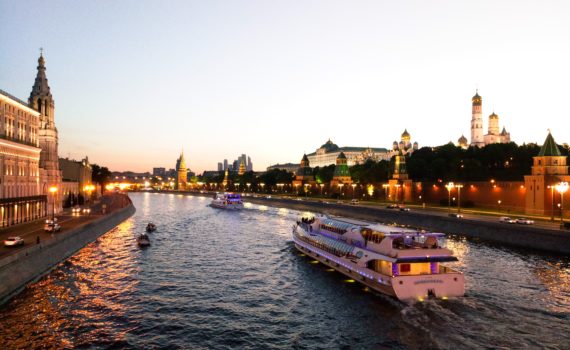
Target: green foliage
(324,174)
(275,176)
(503,162)
(371,172)
(100,175)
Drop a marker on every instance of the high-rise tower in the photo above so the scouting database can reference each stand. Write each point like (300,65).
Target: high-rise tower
(477,121)
(42,101)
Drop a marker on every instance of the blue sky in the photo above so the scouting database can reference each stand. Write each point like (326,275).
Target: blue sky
(136,81)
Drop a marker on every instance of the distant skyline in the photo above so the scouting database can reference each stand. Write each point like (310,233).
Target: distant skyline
(134,82)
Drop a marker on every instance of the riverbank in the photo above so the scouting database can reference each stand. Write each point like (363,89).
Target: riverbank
(521,236)
(35,260)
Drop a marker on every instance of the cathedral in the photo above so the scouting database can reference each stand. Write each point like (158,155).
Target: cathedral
(478,136)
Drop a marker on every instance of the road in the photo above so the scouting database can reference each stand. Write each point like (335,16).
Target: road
(30,231)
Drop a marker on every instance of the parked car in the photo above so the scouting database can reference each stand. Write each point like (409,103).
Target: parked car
(456,215)
(524,221)
(507,220)
(354,202)
(52,227)
(13,241)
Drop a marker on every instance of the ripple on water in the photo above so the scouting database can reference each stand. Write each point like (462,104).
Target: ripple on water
(227,280)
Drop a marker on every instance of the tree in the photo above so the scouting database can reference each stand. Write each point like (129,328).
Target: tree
(100,175)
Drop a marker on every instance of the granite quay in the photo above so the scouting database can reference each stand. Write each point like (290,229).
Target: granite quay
(543,236)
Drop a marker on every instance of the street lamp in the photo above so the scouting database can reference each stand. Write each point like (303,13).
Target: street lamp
(88,189)
(552,204)
(449,186)
(561,188)
(353,186)
(459,187)
(53,191)
(321,186)
(499,205)
(340,190)
(262,184)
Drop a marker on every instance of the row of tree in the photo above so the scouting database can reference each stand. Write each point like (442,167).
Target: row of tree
(502,162)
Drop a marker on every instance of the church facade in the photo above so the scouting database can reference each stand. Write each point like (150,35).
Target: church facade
(29,163)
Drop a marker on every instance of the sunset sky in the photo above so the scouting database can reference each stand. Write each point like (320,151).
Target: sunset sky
(135,82)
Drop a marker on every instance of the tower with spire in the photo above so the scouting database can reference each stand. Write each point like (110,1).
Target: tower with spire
(182,172)
(549,168)
(42,101)
(477,121)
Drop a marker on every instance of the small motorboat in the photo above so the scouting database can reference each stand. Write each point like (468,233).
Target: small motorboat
(143,240)
(150,227)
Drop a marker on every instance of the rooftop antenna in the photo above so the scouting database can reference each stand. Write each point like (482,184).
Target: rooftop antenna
(41,51)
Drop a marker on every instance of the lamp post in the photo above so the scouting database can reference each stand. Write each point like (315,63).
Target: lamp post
(552,205)
(561,188)
(353,186)
(499,205)
(449,186)
(459,187)
(321,186)
(88,189)
(340,190)
(53,191)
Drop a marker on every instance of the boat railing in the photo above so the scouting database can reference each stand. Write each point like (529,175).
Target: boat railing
(319,245)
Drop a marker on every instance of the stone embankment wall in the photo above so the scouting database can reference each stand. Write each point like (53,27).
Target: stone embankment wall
(530,237)
(28,265)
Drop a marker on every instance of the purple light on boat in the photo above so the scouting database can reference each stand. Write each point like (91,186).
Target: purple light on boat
(395,270)
(433,267)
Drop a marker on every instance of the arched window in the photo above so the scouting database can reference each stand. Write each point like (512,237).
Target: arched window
(40,106)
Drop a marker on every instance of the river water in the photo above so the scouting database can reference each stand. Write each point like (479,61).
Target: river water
(214,279)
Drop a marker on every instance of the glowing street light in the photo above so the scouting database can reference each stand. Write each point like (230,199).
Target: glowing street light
(340,190)
(321,186)
(53,191)
(561,188)
(449,186)
(353,186)
(459,187)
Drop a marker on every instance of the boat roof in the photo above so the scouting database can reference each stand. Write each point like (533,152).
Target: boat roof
(391,231)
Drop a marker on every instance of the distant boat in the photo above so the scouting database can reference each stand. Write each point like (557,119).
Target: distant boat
(227,201)
(143,240)
(150,227)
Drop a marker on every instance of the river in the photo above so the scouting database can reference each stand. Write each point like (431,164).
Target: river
(215,279)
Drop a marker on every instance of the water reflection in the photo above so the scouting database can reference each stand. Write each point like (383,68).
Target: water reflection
(225,279)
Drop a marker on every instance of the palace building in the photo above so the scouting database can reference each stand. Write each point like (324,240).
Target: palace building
(29,163)
(328,153)
(478,138)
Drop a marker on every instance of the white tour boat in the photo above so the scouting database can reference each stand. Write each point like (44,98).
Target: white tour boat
(399,262)
(227,201)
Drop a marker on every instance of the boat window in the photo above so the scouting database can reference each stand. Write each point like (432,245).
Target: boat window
(405,268)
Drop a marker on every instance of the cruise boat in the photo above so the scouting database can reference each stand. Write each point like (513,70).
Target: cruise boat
(227,201)
(402,263)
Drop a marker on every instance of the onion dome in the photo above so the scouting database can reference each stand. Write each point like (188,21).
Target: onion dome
(405,135)
(477,100)
(329,146)
(493,116)
(395,145)
(462,140)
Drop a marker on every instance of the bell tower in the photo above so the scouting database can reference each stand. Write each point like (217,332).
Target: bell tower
(477,121)
(42,101)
